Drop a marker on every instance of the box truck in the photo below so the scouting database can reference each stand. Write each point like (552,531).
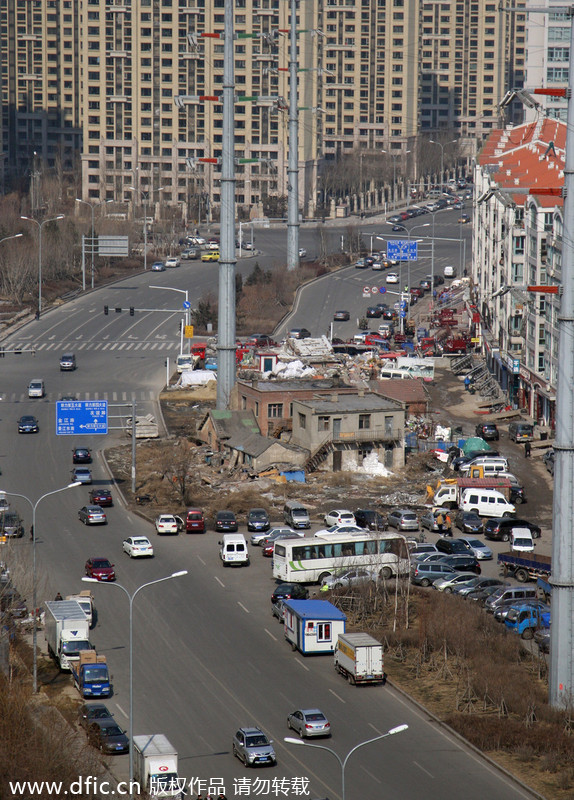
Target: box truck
(155,766)
(359,657)
(67,631)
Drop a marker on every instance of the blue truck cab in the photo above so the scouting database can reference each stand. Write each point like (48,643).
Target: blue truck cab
(91,676)
(526,619)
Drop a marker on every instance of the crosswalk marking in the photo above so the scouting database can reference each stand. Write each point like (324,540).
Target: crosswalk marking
(72,347)
(143,396)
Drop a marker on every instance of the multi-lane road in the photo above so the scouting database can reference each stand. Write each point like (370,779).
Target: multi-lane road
(208,655)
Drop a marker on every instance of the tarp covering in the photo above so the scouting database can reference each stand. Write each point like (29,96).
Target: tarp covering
(475,443)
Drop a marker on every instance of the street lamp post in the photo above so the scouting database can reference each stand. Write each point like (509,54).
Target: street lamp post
(14,236)
(441,145)
(394,156)
(40,226)
(131,597)
(343,762)
(186,306)
(34,506)
(92,206)
(145,198)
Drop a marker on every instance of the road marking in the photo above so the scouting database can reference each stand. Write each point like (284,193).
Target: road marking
(243,607)
(370,774)
(301,664)
(380,733)
(337,696)
(270,634)
(201,561)
(121,709)
(423,769)
(220,582)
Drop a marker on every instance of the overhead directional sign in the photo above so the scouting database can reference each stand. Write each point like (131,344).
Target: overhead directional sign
(402,250)
(77,417)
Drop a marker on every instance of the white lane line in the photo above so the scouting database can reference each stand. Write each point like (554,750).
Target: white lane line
(201,561)
(377,731)
(220,582)
(337,696)
(416,763)
(121,709)
(270,634)
(370,774)
(301,664)
(243,607)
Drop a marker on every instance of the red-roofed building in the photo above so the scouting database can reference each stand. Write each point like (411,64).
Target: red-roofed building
(513,238)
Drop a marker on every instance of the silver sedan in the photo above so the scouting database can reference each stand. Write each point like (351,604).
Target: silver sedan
(309,722)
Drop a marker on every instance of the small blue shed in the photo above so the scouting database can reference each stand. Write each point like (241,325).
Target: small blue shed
(312,626)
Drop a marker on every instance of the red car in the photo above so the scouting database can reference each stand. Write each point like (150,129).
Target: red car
(267,550)
(195,521)
(101,497)
(100,569)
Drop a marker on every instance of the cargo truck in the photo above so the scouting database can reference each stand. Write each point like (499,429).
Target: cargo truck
(86,602)
(155,766)
(524,567)
(525,620)
(448,493)
(359,657)
(67,631)
(90,674)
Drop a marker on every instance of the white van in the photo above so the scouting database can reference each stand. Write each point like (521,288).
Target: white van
(486,503)
(296,515)
(521,540)
(233,550)
(449,272)
(490,466)
(184,361)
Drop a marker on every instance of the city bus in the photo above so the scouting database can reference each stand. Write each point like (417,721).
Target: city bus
(312,560)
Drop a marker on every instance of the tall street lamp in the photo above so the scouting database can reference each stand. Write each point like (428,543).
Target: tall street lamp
(40,226)
(131,597)
(14,236)
(394,156)
(34,506)
(441,145)
(92,206)
(186,306)
(145,198)
(343,762)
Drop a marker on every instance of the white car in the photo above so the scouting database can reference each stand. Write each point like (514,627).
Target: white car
(302,252)
(392,277)
(335,529)
(339,516)
(449,583)
(36,388)
(172,261)
(138,547)
(168,523)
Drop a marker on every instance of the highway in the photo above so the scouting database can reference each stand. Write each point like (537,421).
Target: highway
(209,657)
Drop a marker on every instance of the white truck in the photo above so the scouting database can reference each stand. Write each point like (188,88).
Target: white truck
(155,766)
(359,657)
(86,602)
(67,631)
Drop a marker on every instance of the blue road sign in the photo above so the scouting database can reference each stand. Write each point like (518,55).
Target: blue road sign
(383,289)
(186,304)
(402,314)
(403,304)
(402,250)
(77,417)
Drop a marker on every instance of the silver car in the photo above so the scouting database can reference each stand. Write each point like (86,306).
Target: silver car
(258,538)
(355,576)
(478,548)
(403,520)
(309,722)
(252,746)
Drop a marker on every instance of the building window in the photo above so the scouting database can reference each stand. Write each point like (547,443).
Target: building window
(324,632)
(302,421)
(275,411)
(364,422)
(243,402)
(388,424)
(323,423)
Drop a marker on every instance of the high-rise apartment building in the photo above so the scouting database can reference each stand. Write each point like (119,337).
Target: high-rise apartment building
(548,55)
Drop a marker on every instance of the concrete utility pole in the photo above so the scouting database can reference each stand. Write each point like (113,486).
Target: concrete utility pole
(293,170)
(226,313)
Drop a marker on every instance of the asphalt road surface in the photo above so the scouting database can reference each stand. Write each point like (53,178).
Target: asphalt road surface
(208,655)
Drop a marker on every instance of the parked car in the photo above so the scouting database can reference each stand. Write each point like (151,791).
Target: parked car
(225,521)
(195,521)
(107,736)
(90,712)
(370,520)
(168,523)
(463,563)
(421,550)
(428,520)
(309,722)
(499,528)
(81,455)
(477,547)
(423,573)
(548,459)
(452,546)
(468,522)
(336,529)
(100,568)
(172,262)
(481,594)
(28,424)
(101,497)
(260,340)
(302,252)
(12,603)
(542,639)
(449,583)
(138,547)
(81,475)
(92,515)
(260,537)
(252,746)
(478,583)
(11,524)
(299,333)
(403,520)
(487,431)
(257,520)
(67,362)
(289,591)
(339,516)
(355,576)
(268,545)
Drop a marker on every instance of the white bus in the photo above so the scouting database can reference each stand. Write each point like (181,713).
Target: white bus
(312,560)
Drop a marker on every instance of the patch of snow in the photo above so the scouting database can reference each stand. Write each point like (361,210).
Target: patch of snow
(372,466)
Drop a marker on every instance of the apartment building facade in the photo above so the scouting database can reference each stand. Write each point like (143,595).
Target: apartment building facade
(548,55)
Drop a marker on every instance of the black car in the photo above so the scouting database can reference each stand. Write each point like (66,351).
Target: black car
(81,455)
(487,431)
(289,591)
(257,520)
(425,284)
(468,522)
(462,563)
(370,520)
(107,736)
(456,462)
(260,340)
(225,521)
(90,712)
(451,547)
(28,424)
(373,312)
(499,528)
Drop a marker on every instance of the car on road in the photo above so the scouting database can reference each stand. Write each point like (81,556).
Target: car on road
(260,340)
(355,576)
(396,228)
(81,455)
(108,737)
(487,431)
(168,523)
(36,388)
(464,218)
(392,277)
(360,263)
(158,266)
(299,333)
(11,524)
(101,497)
(90,712)
(252,746)
(92,515)
(81,475)
(370,520)
(258,520)
(339,516)
(225,521)
(449,583)
(172,261)
(374,312)
(210,255)
(308,722)
(302,252)
(138,547)
(28,424)
(468,522)
(403,520)
(477,547)
(289,591)
(341,316)
(67,362)
(500,528)
(100,568)
(259,537)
